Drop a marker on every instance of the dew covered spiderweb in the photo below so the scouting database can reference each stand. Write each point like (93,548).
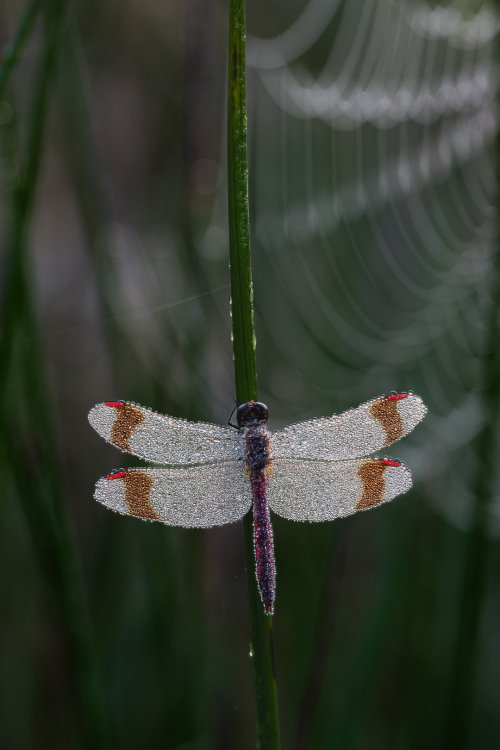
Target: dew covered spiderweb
(371,131)
(375,220)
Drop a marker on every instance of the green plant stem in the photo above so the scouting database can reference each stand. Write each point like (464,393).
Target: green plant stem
(239,234)
(16,46)
(478,545)
(268,732)
(15,275)
(31,442)
(323,642)
(83,160)
(475,573)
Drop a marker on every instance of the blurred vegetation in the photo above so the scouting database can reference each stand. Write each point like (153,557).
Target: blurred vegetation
(373,207)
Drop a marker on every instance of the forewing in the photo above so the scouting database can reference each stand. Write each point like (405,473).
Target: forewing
(353,434)
(324,490)
(161,439)
(196,496)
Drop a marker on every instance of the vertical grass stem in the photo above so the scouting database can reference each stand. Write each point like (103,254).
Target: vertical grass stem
(478,545)
(14,49)
(268,732)
(31,451)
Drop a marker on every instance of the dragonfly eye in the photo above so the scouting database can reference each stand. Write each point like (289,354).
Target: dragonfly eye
(253,412)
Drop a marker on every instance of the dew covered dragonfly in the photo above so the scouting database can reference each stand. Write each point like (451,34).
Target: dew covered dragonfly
(317,470)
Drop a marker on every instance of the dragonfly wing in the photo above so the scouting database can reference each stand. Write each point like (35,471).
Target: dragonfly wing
(355,433)
(196,496)
(161,439)
(324,490)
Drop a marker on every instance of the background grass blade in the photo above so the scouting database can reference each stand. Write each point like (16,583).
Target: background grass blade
(478,543)
(15,48)
(33,443)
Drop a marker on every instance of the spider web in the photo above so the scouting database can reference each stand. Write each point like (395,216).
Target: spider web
(373,203)
(375,213)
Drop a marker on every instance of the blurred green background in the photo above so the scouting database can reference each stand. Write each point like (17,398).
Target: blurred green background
(372,131)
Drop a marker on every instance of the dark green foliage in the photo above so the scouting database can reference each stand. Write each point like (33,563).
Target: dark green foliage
(115,284)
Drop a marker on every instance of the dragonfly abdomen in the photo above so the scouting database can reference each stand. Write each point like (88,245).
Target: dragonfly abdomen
(258,460)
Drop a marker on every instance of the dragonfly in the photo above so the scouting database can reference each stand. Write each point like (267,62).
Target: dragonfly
(209,475)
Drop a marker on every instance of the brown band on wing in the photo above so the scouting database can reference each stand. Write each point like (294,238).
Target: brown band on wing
(386,413)
(371,473)
(127,418)
(138,486)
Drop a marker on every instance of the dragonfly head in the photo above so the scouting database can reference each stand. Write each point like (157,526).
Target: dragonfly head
(251,413)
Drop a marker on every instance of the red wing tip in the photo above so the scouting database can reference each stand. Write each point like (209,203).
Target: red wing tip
(389,462)
(116,404)
(117,475)
(397,396)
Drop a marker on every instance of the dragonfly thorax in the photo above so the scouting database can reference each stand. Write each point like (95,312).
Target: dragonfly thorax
(252,413)
(258,451)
